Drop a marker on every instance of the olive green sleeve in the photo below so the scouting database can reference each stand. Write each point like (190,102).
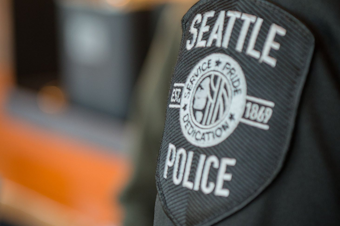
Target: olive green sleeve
(148,117)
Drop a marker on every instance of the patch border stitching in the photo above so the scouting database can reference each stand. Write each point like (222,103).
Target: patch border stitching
(291,123)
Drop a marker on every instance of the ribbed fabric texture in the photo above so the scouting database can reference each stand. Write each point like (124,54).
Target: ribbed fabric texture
(259,153)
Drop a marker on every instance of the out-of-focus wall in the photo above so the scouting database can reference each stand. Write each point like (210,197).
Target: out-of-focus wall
(5,33)
(60,162)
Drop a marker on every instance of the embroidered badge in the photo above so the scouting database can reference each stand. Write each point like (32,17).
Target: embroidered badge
(232,107)
(213,100)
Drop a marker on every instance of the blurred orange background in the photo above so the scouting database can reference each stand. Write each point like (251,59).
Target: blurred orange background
(48,177)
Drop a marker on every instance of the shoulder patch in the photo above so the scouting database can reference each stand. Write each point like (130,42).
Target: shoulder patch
(232,107)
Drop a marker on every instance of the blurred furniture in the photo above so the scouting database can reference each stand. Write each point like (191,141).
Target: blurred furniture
(61,166)
(54,178)
(102,51)
(93,49)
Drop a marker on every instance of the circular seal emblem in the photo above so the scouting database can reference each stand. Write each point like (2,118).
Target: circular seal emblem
(213,100)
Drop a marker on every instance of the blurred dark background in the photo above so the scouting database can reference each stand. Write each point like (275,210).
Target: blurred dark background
(92,51)
(68,69)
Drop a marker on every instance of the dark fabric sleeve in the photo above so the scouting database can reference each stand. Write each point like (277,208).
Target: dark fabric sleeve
(148,116)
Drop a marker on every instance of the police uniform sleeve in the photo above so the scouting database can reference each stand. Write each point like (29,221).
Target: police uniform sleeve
(253,121)
(147,117)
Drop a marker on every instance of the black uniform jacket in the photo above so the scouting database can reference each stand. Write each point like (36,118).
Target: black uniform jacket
(302,186)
